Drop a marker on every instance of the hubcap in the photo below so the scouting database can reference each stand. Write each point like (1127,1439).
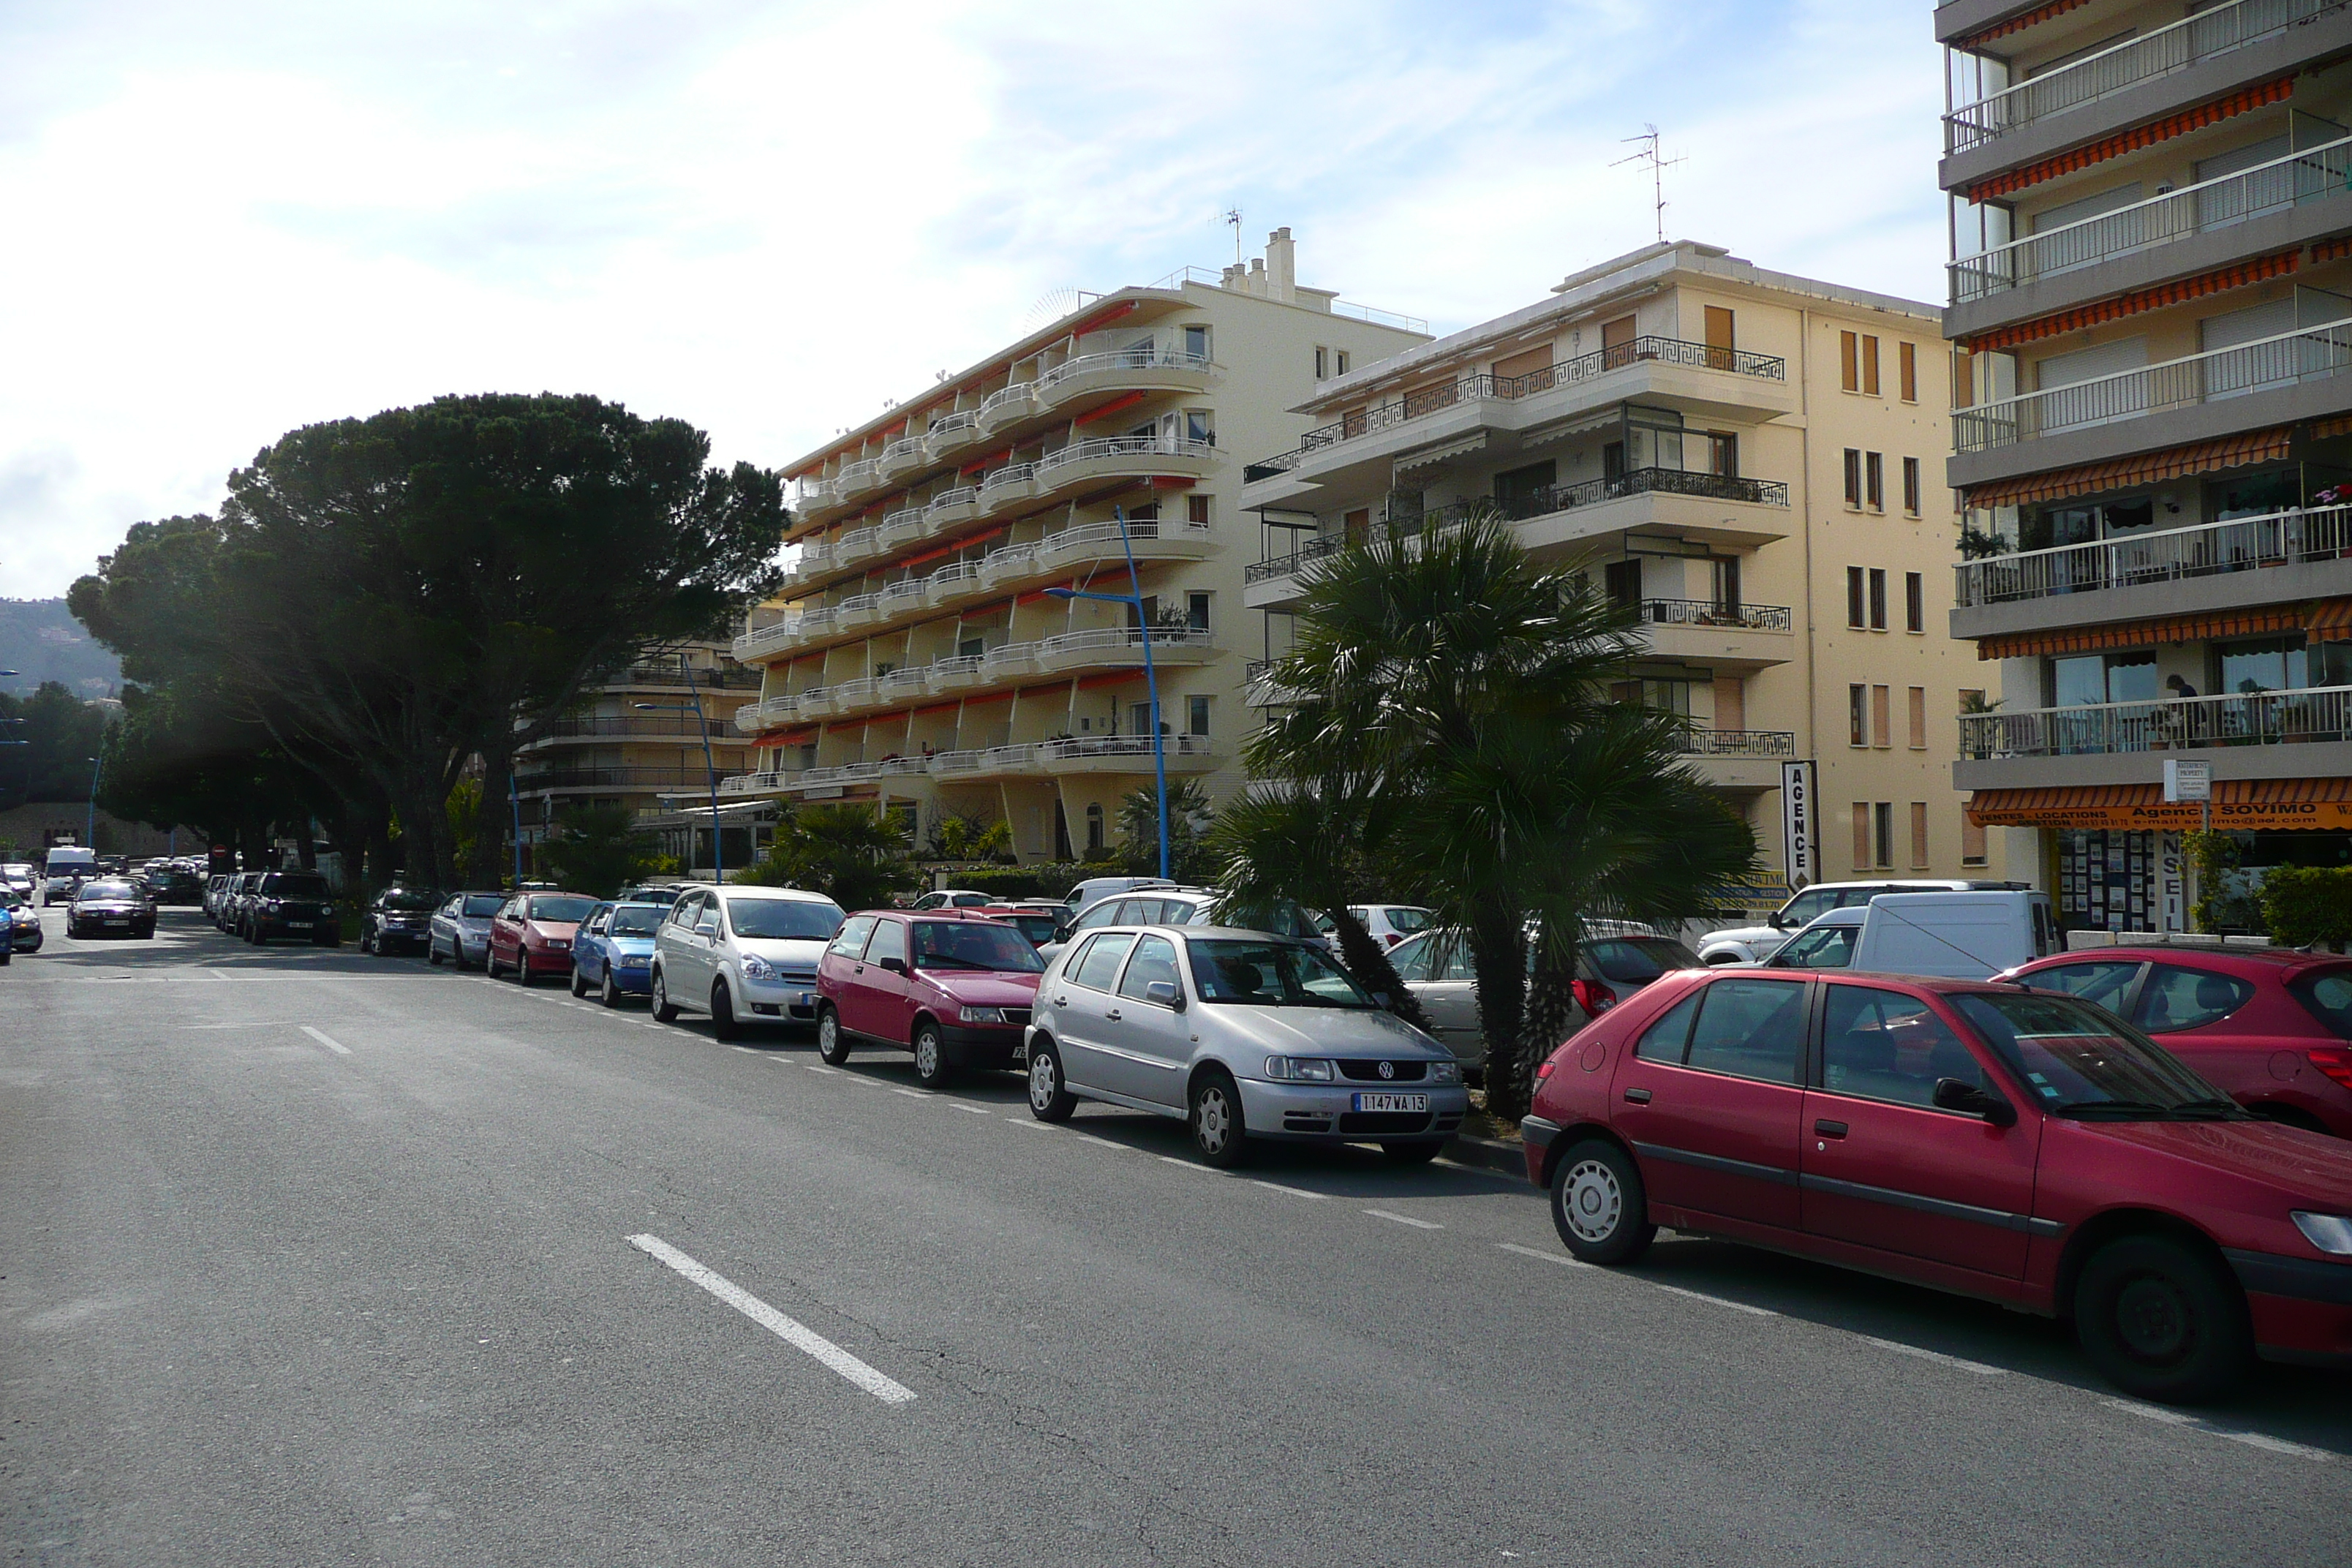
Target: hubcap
(1593,1201)
(661,993)
(828,1031)
(1213,1119)
(1041,1081)
(926,1054)
(2153,1319)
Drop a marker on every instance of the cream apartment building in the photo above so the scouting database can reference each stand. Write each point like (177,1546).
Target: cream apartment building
(2151,282)
(918,657)
(1747,458)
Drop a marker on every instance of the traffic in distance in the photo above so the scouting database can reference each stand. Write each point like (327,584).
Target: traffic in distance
(2154,1145)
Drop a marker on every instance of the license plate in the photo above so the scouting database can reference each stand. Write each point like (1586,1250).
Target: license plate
(297,925)
(118,923)
(1393,1102)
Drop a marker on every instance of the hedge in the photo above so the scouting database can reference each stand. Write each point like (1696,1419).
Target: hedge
(2307,904)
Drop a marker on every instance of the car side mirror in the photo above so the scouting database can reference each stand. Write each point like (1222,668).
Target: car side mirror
(1777,920)
(1062,930)
(1952,1094)
(1164,991)
(895,965)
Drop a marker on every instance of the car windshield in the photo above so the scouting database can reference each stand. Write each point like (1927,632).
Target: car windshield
(1271,974)
(2083,1061)
(293,885)
(634,920)
(784,920)
(959,945)
(2327,996)
(410,902)
(96,890)
(562,909)
(482,906)
(1819,947)
(1638,960)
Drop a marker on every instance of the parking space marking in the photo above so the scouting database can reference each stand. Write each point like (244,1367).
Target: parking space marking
(910,1093)
(1938,1357)
(1541,1257)
(746,1050)
(1714,1300)
(327,1040)
(2274,1445)
(791,1333)
(1124,1148)
(1405,1219)
(975,1110)
(1294,1191)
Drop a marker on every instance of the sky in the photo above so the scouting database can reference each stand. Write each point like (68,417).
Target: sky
(223,219)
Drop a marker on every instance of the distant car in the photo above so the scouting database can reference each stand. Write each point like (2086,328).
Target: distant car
(111,906)
(215,886)
(169,885)
(1609,969)
(660,894)
(1242,1036)
(25,934)
(1750,944)
(953,898)
(744,956)
(58,891)
(21,876)
(398,919)
(952,988)
(1038,921)
(2273,1027)
(613,951)
(1165,903)
(532,935)
(296,904)
(460,930)
(1388,923)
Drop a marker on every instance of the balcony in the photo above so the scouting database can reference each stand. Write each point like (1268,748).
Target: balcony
(903,684)
(1018,761)
(950,434)
(1727,638)
(1148,539)
(1125,754)
(2275,376)
(1008,487)
(1009,662)
(903,597)
(857,612)
(1086,465)
(670,675)
(774,712)
(752,646)
(2294,734)
(1008,564)
(2278,186)
(559,780)
(1007,406)
(854,546)
(756,783)
(814,495)
(813,560)
(901,458)
(958,672)
(817,702)
(2094,77)
(1112,646)
(855,481)
(900,529)
(854,696)
(956,581)
(950,508)
(1120,371)
(823,621)
(599,726)
(1738,760)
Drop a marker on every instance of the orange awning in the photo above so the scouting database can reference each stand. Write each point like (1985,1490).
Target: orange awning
(2018,23)
(930,709)
(1113,407)
(2240,805)
(1114,677)
(2171,629)
(2149,469)
(1035,594)
(2330,615)
(2132,141)
(2122,305)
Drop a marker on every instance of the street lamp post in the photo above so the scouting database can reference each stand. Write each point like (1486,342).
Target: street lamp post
(89,825)
(514,806)
(709,763)
(1150,674)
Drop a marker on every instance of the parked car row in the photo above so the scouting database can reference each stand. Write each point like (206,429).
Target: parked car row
(262,907)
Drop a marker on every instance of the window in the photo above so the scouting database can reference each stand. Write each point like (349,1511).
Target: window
(1881,717)
(1199,427)
(1854,598)
(1857,705)
(1154,961)
(1914,602)
(1973,851)
(2103,981)
(1196,716)
(1668,1040)
(1852,477)
(1964,376)
(1870,366)
(1882,819)
(1749,1028)
(1322,363)
(1340,361)
(1907,361)
(1918,835)
(1723,454)
(1911,486)
(851,940)
(1622,581)
(889,941)
(1861,835)
(1918,695)
(1196,612)
(1873,484)
(1196,510)
(1849,362)
(1877,599)
(1196,341)
(2176,999)
(1884,1045)
(1093,826)
(1098,965)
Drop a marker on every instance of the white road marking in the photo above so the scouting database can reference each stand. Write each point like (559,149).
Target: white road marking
(1106,1142)
(2276,1444)
(1715,1300)
(1405,1219)
(746,1050)
(783,1328)
(813,1067)
(976,1110)
(2153,1412)
(1938,1357)
(1188,1164)
(910,1093)
(1561,1258)
(1294,1191)
(1033,1123)
(329,1041)
(2262,1440)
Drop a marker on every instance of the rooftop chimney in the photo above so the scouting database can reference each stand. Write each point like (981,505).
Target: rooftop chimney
(1281,267)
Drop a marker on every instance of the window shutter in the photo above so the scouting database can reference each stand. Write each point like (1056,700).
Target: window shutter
(1908,361)
(1870,366)
(1861,835)
(1849,362)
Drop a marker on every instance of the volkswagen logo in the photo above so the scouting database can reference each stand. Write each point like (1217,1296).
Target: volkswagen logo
(1388,1070)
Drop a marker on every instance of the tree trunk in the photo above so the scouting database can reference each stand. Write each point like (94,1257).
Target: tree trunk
(425,828)
(1498,953)
(1367,960)
(382,870)
(1551,1013)
(306,848)
(490,863)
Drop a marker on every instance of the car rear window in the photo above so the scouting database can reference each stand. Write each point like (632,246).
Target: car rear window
(412,901)
(1637,961)
(482,906)
(109,891)
(2327,996)
(639,920)
(2176,999)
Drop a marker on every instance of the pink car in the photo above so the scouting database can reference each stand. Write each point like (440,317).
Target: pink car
(955,989)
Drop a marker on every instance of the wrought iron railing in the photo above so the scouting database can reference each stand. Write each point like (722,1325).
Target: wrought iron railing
(1257,669)
(2311,353)
(2171,556)
(670,675)
(2171,723)
(1314,550)
(681,728)
(1710,613)
(2213,31)
(2266,188)
(1548,499)
(1738,743)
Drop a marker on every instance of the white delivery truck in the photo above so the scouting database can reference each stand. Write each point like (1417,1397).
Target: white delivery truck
(1950,935)
(72,860)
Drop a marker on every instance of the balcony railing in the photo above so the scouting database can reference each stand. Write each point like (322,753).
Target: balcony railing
(905,449)
(1739,743)
(2289,359)
(683,728)
(1548,499)
(1116,446)
(1257,669)
(855,476)
(1122,746)
(1122,637)
(1428,400)
(1708,613)
(1142,356)
(2282,182)
(776,634)
(1007,477)
(617,778)
(2171,723)
(963,495)
(1104,536)
(947,427)
(2172,555)
(2214,31)
(1289,565)
(670,675)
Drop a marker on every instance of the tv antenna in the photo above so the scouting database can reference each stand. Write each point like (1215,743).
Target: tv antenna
(1659,163)
(1234,216)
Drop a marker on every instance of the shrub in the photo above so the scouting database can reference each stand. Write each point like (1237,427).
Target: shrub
(2307,904)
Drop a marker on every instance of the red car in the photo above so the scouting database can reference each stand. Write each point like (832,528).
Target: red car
(954,989)
(2022,1146)
(531,935)
(2273,1027)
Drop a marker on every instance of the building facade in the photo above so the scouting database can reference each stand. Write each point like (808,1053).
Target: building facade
(920,656)
(2151,297)
(1745,457)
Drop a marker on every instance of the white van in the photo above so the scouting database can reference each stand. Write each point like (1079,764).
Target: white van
(1950,935)
(72,860)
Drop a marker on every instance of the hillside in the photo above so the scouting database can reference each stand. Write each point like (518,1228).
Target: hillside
(40,641)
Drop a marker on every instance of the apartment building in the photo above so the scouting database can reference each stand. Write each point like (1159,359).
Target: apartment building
(1744,455)
(634,740)
(2151,296)
(927,654)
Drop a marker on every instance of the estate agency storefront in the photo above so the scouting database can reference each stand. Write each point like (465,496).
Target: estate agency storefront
(2111,855)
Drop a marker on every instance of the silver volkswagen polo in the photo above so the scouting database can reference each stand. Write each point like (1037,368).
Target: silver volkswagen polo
(1241,1034)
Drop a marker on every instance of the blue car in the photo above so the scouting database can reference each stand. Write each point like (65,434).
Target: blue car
(613,951)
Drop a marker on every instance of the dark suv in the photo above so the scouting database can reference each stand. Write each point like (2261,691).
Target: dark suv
(398,918)
(292,904)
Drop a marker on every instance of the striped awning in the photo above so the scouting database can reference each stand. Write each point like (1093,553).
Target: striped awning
(2314,804)
(2170,630)
(2330,616)
(2149,469)
(2179,291)
(2018,23)
(2132,141)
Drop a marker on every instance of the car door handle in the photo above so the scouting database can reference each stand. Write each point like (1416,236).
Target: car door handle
(1112,1014)
(1826,1129)
(860,970)
(1638,1096)
(1061,1001)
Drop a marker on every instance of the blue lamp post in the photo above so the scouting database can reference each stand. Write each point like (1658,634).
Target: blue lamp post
(89,826)
(709,764)
(1150,676)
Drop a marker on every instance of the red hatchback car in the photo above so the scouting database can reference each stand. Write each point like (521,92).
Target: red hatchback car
(2271,1028)
(2017,1145)
(954,989)
(532,935)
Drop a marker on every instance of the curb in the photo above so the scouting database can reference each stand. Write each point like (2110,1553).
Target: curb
(1487,1154)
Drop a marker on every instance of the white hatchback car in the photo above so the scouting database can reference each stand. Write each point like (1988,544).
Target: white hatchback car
(744,956)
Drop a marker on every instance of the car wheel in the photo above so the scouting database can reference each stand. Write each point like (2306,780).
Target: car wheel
(489,964)
(663,1012)
(579,981)
(2162,1321)
(1420,1152)
(722,1013)
(931,1068)
(1218,1131)
(611,994)
(1598,1204)
(432,953)
(1050,1098)
(832,1042)
(253,935)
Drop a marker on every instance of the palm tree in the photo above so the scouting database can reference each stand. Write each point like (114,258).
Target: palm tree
(848,853)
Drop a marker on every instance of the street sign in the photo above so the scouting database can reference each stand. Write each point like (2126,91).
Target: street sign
(1800,825)
(2187,780)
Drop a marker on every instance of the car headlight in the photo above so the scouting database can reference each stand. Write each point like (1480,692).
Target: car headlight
(2327,1232)
(1445,1072)
(981,1014)
(757,968)
(1306,1070)
(637,960)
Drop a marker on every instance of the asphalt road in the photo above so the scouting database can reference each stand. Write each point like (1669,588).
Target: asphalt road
(308,1257)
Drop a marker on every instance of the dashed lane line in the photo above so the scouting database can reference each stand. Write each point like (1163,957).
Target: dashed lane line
(1714,1300)
(1541,1257)
(1405,1219)
(1293,1192)
(975,1110)
(791,1333)
(1938,1357)
(328,1040)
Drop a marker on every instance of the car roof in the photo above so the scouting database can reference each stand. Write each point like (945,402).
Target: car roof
(2257,957)
(789,895)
